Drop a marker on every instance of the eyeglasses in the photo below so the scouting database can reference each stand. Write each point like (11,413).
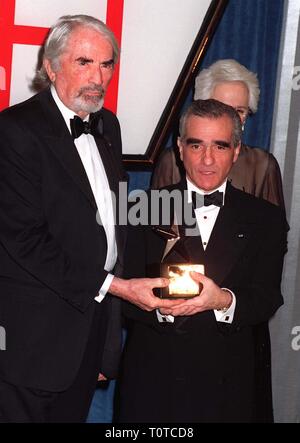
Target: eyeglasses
(243,111)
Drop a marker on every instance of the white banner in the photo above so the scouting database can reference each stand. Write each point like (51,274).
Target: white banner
(156,39)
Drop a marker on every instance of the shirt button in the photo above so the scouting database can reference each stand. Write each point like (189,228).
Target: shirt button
(205,217)
(204,243)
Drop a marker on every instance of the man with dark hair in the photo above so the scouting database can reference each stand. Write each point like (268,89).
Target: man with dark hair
(196,362)
(256,170)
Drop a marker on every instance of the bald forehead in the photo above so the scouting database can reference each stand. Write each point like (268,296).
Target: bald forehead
(234,93)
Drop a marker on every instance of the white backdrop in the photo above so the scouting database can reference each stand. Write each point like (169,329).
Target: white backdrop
(156,38)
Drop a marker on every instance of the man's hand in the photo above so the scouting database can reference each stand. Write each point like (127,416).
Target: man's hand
(139,291)
(211,297)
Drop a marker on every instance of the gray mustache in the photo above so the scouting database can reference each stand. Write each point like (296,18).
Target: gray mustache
(91,89)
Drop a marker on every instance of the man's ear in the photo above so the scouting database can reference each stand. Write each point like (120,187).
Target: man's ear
(236,152)
(49,70)
(180,147)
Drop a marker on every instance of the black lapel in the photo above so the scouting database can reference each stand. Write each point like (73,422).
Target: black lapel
(105,151)
(108,151)
(190,244)
(53,130)
(229,237)
(59,140)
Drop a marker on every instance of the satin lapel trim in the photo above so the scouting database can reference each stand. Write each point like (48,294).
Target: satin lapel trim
(194,250)
(62,145)
(66,152)
(108,163)
(227,242)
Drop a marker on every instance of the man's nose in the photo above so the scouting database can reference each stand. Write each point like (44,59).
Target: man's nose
(97,75)
(208,156)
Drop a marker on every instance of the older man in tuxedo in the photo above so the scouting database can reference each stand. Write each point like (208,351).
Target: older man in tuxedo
(61,252)
(196,362)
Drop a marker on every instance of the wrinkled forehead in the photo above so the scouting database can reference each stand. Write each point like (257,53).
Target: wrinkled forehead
(232,93)
(87,39)
(209,126)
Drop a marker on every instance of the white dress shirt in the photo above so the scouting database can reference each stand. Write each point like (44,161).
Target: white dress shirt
(95,171)
(206,217)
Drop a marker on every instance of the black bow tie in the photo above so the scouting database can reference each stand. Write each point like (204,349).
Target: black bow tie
(215,198)
(94,126)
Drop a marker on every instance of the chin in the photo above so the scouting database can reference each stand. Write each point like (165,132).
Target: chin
(94,107)
(87,105)
(206,186)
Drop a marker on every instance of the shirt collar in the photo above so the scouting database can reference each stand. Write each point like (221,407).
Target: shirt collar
(191,187)
(66,112)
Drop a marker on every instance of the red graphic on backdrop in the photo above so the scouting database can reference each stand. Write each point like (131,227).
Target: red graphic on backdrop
(32,35)
(114,20)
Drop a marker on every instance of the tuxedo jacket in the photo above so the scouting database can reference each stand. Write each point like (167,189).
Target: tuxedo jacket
(52,250)
(198,369)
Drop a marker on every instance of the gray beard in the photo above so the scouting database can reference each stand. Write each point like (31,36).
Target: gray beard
(88,106)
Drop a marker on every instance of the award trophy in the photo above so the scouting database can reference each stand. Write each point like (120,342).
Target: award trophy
(181,284)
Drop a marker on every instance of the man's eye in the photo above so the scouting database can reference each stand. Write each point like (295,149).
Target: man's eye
(195,147)
(82,62)
(107,65)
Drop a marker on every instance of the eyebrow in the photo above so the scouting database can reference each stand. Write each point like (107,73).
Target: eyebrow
(194,141)
(90,60)
(84,59)
(108,62)
(222,143)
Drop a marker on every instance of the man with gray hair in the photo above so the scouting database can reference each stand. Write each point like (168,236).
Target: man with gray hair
(60,160)
(197,362)
(256,171)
